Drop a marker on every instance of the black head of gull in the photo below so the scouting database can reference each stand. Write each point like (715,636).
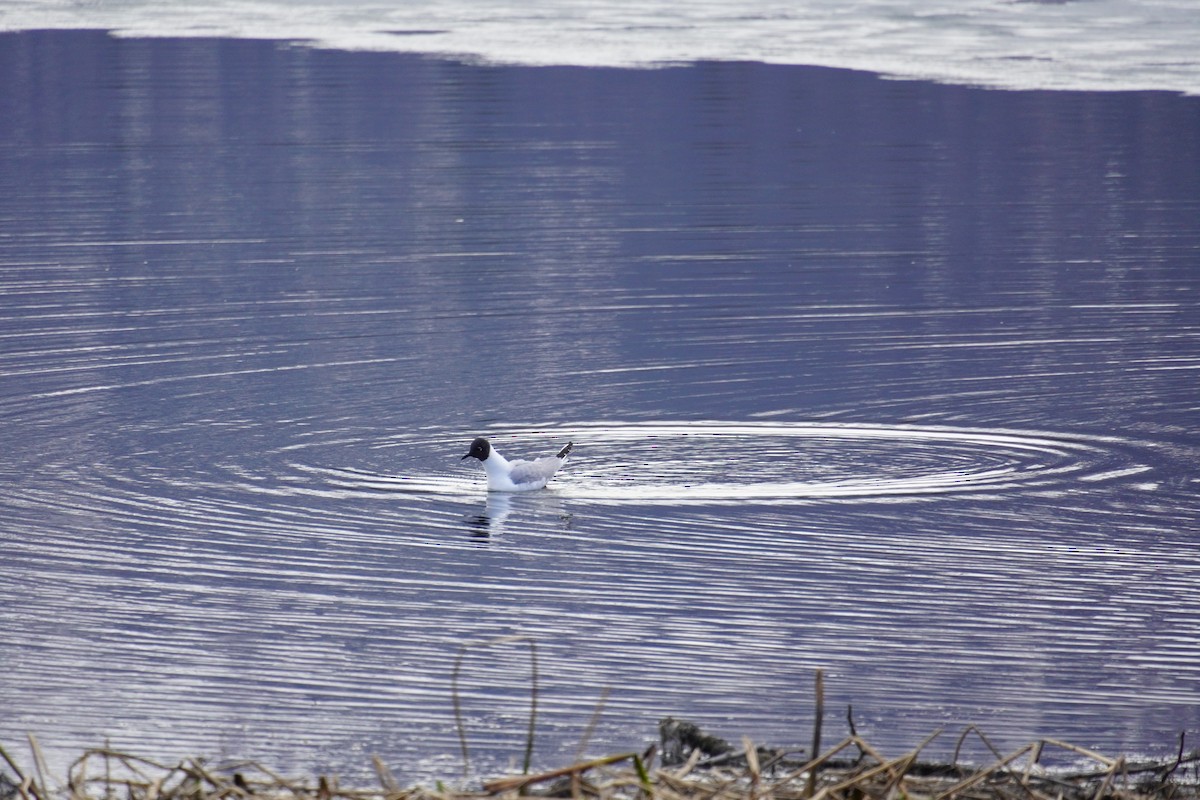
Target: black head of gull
(479,449)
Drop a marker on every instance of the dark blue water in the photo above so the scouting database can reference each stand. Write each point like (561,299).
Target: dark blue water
(888,378)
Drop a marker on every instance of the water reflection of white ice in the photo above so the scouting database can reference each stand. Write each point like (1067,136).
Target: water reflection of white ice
(492,519)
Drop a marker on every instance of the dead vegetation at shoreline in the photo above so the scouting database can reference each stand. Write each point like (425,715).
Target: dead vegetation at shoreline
(686,764)
(711,769)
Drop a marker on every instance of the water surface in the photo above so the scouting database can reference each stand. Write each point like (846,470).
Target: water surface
(888,378)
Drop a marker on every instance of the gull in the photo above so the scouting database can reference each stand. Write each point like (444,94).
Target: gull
(515,476)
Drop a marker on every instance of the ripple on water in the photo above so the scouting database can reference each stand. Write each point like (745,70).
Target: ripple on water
(715,462)
(325,567)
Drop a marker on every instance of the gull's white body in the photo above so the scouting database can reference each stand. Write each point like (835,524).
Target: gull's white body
(517,476)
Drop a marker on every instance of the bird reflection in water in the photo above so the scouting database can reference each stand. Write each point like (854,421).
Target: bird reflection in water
(533,510)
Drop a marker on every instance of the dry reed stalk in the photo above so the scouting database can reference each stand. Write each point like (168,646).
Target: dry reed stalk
(386,779)
(689,765)
(1103,788)
(905,763)
(521,781)
(861,778)
(39,764)
(533,694)
(818,761)
(983,774)
(752,765)
(962,737)
(13,766)
(671,781)
(590,728)
(1034,758)
(1083,751)
(818,716)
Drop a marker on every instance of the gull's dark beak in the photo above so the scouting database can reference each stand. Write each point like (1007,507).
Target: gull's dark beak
(464,458)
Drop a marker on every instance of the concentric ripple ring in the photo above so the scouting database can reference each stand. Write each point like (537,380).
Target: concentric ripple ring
(726,462)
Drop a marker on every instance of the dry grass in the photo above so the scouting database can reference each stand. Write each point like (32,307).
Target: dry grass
(687,764)
(850,770)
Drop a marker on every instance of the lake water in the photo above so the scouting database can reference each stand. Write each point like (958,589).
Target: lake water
(889,378)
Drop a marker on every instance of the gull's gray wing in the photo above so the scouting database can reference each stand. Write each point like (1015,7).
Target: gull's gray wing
(539,470)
